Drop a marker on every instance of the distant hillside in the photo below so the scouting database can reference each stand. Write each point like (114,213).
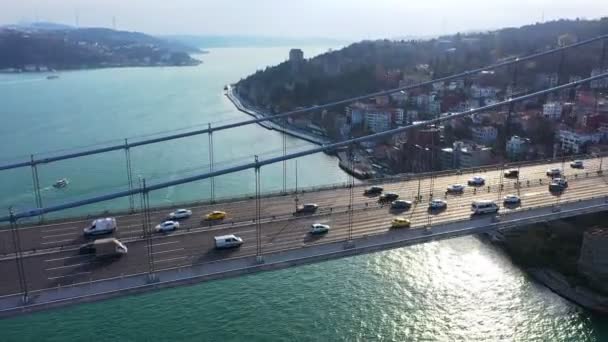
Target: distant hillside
(55,46)
(370,66)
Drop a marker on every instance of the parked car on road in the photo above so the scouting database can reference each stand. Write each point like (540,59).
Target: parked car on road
(400,222)
(388,197)
(476,181)
(167,226)
(227,241)
(308,208)
(318,228)
(101,226)
(577,164)
(401,204)
(511,199)
(512,173)
(554,172)
(484,207)
(558,184)
(455,188)
(215,215)
(438,204)
(180,214)
(374,190)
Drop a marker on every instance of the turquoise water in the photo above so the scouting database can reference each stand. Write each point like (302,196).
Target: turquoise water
(99,107)
(456,290)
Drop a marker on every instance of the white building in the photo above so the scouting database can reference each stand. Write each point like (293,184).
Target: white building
(378,121)
(399,116)
(575,141)
(411,115)
(484,134)
(482,92)
(552,110)
(517,146)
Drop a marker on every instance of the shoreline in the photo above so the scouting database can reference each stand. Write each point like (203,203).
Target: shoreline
(555,281)
(582,296)
(307,136)
(100,67)
(270,125)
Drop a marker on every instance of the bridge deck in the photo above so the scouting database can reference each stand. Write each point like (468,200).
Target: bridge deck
(49,266)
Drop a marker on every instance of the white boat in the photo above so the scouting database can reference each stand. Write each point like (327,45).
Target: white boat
(62,183)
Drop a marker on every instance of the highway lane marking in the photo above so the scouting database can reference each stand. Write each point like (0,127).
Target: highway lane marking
(59,241)
(58,235)
(69,275)
(171,259)
(57,229)
(169,251)
(67,266)
(164,243)
(68,257)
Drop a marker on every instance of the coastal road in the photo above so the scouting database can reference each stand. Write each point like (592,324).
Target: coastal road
(50,266)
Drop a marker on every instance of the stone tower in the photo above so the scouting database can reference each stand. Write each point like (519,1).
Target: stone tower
(593,259)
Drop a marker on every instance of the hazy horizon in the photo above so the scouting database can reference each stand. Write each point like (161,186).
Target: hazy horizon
(340,19)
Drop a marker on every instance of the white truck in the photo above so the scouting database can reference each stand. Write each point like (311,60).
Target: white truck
(104,248)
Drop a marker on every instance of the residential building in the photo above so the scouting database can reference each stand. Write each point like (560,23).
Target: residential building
(552,110)
(600,83)
(434,106)
(547,80)
(477,91)
(517,147)
(411,116)
(464,155)
(382,100)
(399,116)
(484,134)
(577,141)
(378,120)
(399,97)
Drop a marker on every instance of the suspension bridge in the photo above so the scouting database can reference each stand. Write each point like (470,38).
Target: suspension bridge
(46,269)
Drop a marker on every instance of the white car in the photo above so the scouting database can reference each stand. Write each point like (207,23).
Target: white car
(319,228)
(577,164)
(101,226)
(554,172)
(457,188)
(438,204)
(511,199)
(167,226)
(180,214)
(476,181)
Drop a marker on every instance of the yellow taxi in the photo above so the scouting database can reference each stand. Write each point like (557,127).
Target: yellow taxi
(400,222)
(215,215)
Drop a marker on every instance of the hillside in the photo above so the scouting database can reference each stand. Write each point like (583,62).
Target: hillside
(370,66)
(57,47)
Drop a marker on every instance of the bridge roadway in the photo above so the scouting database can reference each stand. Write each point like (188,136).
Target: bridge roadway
(48,266)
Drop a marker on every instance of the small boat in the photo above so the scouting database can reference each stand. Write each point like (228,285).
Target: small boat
(62,183)
(52,77)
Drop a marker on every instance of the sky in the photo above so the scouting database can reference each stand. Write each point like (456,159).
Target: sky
(343,19)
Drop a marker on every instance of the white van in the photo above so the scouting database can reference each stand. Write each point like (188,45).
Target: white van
(484,207)
(227,241)
(101,226)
